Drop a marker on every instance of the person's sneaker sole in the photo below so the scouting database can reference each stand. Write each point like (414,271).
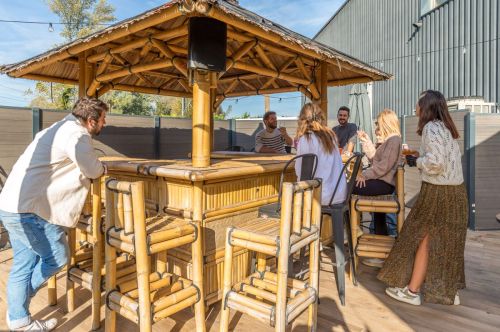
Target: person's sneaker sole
(416,301)
(371,263)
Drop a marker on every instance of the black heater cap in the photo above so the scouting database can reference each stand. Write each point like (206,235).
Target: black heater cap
(207,44)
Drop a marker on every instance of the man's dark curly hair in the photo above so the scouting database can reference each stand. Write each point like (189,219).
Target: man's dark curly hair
(89,109)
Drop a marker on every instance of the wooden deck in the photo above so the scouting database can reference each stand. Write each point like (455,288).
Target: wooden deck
(367,308)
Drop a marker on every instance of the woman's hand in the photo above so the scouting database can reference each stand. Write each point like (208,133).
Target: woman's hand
(360,181)
(363,137)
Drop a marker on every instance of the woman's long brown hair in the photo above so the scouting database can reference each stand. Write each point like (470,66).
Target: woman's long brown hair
(432,105)
(312,120)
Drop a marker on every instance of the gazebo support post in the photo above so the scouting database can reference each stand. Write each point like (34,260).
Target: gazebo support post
(324,88)
(201,118)
(213,107)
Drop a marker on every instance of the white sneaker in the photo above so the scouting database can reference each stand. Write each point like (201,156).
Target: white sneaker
(404,295)
(457,299)
(40,325)
(373,262)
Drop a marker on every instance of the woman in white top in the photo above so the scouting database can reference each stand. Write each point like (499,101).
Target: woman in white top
(428,255)
(314,136)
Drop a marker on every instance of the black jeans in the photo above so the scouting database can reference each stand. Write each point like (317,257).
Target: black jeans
(374,188)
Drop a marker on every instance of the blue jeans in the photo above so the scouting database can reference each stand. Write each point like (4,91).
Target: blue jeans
(40,250)
(390,219)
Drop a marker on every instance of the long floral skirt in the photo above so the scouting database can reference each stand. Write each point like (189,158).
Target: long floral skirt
(441,212)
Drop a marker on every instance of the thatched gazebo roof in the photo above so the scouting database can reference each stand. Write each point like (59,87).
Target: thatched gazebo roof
(147,53)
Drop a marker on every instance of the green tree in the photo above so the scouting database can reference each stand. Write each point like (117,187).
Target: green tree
(245,115)
(82,17)
(52,95)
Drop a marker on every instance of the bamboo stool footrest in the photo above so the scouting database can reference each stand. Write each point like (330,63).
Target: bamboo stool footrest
(163,233)
(167,297)
(375,246)
(83,275)
(245,295)
(381,203)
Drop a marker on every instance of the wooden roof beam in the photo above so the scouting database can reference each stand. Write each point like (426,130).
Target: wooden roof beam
(126,63)
(348,81)
(270,73)
(238,54)
(239,76)
(163,63)
(262,91)
(101,69)
(241,37)
(148,90)
(140,42)
(283,67)
(177,62)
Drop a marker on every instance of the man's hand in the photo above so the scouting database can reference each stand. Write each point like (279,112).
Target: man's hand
(360,181)
(284,134)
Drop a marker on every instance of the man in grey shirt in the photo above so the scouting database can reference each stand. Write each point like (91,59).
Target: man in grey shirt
(345,131)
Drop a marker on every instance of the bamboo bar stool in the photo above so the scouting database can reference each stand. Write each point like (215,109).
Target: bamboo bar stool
(86,262)
(149,295)
(371,245)
(274,297)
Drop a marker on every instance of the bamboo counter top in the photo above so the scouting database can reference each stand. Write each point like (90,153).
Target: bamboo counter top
(227,165)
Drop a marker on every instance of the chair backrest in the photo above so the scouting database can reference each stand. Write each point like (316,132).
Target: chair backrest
(356,157)
(307,170)
(122,199)
(301,207)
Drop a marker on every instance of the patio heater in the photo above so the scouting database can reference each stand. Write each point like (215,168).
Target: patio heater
(206,58)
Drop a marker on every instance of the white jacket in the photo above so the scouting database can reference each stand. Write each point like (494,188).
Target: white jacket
(51,178)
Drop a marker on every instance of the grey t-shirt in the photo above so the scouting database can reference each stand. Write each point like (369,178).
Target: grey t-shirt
(345,133)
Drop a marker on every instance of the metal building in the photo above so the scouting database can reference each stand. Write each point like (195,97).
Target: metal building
(448,45)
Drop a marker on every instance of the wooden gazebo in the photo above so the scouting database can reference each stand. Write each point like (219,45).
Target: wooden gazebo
(148,54)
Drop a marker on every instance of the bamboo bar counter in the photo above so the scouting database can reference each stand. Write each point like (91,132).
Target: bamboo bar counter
(226,193)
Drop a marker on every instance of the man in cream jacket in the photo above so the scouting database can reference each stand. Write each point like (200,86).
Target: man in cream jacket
(44,193)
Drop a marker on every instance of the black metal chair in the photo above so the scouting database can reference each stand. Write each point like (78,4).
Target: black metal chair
(307,171)
(338,216)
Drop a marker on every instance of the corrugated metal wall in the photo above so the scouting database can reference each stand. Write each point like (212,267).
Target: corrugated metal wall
(456,50)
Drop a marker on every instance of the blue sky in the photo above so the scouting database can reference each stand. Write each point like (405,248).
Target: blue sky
(21,41)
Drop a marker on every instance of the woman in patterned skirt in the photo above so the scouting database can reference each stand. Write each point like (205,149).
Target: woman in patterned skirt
(427,260)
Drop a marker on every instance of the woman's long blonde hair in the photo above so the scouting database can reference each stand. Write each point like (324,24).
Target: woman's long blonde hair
(312,120)
(388,124)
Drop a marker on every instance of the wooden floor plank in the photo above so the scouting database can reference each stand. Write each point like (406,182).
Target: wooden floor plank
(367,309)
